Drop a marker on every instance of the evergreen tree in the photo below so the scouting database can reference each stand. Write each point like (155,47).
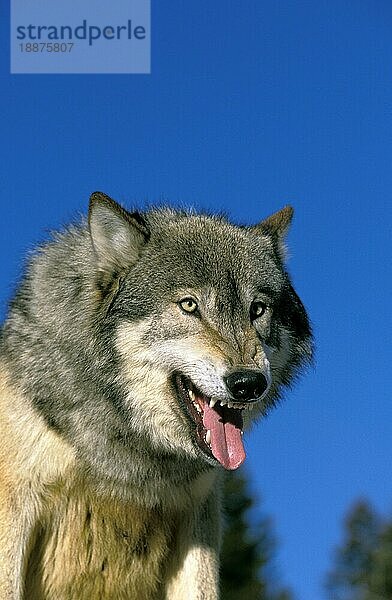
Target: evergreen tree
(380,575)
(247,552)
(363,564)
(353,560)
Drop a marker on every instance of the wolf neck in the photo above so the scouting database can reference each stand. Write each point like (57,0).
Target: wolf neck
(112,457)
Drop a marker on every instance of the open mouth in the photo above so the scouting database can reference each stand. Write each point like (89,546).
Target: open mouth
(218,422)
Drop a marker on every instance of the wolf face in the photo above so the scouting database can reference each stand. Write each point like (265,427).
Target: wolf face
(158,334)
(209,326)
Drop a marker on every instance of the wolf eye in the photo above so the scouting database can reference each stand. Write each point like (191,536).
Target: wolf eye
(188,305)
(257,309)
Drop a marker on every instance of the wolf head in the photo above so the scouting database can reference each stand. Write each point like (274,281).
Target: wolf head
(208,325)
(157,334)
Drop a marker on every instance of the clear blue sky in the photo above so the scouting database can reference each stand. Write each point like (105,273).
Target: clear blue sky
(250,105)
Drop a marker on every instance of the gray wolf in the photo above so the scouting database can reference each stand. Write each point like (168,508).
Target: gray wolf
(136,351)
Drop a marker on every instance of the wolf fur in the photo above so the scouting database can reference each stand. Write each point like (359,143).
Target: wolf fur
(108,489)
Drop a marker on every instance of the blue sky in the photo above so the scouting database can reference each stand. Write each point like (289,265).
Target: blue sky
(250,105)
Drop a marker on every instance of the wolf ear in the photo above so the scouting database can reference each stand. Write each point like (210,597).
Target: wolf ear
(117,236)
(276,226)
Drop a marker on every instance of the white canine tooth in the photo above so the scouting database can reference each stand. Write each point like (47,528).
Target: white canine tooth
(222,402)
(213,401)
(191,394)
(208,436)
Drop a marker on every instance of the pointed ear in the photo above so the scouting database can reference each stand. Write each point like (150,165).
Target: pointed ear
(277,226)
(117,236)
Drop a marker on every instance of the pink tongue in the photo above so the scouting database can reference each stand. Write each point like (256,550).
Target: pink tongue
(225,425)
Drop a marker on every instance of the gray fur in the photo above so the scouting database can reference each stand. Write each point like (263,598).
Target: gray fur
(59,339)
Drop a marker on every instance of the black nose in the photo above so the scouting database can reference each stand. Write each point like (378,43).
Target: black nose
(246,384)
